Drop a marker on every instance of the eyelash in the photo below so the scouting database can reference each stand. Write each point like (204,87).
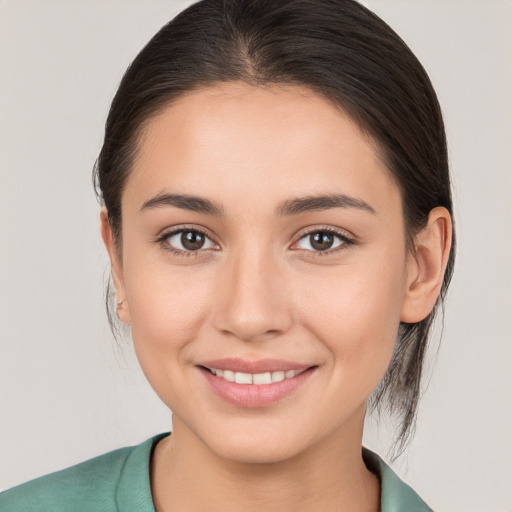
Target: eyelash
(162,240)
(345,239)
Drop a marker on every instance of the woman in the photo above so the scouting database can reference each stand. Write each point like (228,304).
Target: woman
(277,212)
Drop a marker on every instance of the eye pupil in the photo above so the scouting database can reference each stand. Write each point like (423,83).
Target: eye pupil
(321,241)
(192,240)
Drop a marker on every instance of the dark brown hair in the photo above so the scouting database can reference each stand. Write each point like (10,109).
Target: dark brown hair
(338,49)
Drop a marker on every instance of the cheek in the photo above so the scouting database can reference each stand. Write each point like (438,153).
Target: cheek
(168,306)
(356,315)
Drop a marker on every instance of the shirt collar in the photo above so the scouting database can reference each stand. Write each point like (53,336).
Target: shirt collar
(134,487)
(395,495)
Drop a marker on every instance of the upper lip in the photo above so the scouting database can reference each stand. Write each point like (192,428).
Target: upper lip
(260,366)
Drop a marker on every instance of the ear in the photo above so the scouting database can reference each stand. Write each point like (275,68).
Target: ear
(426,266)
(123,310)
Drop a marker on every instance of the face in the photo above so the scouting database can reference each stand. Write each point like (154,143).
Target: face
(262,242)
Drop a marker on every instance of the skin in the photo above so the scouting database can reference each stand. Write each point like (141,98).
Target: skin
(259,291)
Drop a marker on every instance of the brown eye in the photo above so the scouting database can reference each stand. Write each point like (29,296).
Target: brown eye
(189,240)
(192,240)
(319,241)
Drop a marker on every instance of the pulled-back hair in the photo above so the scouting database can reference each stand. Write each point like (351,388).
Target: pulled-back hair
(341,51)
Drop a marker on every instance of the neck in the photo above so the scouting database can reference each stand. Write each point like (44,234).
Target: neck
(187,476)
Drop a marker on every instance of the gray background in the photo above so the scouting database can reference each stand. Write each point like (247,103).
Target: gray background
(68,392)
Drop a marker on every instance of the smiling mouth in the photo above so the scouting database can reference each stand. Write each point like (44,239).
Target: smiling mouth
(255,384)
(258,379)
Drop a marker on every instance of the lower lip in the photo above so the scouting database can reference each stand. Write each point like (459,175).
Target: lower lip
(252,395)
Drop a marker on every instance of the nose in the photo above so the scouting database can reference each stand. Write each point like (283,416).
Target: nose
(252,300)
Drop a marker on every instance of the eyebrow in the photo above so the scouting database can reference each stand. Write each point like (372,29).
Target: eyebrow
(289,207)
(185,202)
(322,202)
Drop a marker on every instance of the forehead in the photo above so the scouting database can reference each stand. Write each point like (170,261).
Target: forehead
(270,141)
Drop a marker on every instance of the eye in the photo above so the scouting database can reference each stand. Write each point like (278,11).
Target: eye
(321,241)
(188,240)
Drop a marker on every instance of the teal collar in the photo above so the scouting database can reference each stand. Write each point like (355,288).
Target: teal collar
(395,495)
(134,488)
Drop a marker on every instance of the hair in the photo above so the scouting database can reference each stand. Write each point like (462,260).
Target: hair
(339,50)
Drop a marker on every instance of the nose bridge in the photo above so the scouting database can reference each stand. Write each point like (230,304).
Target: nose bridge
(252,302)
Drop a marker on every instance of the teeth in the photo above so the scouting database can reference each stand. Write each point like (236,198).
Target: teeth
(255,378)
(262,378)
(229,375)
(277,376)
(243,378)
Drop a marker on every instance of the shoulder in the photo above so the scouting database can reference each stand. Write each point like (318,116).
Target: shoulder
(396,495)
(98,484)
(90,485)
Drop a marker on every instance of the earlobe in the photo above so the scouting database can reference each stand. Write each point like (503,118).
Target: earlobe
(123,311)
(426,266)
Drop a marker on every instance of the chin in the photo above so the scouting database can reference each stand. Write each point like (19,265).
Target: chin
(255,453)
(254,446)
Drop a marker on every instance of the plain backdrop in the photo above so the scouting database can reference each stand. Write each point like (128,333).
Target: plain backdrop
(69,392)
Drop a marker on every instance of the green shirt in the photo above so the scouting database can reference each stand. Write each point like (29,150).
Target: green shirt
(119,482)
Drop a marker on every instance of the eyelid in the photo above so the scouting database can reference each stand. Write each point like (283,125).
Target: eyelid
(347,238)
(165,234)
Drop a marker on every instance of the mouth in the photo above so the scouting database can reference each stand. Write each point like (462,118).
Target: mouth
(253,384)
(258,379)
